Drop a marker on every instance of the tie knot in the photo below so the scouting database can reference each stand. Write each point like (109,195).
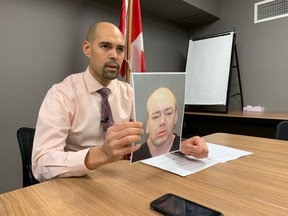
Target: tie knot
(104,92)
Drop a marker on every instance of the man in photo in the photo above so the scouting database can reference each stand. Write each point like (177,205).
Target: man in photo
(161,121)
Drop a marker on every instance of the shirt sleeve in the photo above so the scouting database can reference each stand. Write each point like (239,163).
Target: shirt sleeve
(49,158)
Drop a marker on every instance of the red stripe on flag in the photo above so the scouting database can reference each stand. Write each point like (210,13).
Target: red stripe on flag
(123,29)
(137,51)
(136,20)
(137,47)
(122,24)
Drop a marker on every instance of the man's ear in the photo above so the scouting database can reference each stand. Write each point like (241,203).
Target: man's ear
(86,48)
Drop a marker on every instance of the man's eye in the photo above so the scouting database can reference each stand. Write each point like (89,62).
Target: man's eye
(121,50)
(105,46)
(168,113)
(155,117)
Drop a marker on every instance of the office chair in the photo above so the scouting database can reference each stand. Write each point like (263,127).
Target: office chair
(25,138)
(282,130)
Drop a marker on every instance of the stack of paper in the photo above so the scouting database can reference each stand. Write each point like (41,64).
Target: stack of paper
(185,165)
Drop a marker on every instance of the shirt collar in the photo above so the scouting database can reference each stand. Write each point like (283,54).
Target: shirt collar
(93,85)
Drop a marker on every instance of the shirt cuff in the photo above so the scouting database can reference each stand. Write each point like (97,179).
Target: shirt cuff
(77,162)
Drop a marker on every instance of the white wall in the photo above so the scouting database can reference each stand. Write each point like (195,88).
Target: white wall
(41,44)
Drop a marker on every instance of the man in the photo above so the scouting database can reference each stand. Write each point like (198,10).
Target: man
(70,139)
(162,118)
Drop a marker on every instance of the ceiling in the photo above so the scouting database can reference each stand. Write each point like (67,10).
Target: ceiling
(177,11)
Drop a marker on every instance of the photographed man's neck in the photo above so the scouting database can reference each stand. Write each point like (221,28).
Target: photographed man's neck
(162,149)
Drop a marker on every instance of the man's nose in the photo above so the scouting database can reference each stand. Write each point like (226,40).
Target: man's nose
(162,119)
(113,54)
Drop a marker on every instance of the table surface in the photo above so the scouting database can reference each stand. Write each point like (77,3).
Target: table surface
(239,114)
(252,185)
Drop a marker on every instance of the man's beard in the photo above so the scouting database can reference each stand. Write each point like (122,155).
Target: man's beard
(110,75)
(161,141)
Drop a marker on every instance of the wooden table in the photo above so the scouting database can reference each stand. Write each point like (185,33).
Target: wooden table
(236,122)
(252,185)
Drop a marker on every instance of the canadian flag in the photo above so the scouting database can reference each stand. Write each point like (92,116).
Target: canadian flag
(135,46)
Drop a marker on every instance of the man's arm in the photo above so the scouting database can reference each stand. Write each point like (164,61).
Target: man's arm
(49,158)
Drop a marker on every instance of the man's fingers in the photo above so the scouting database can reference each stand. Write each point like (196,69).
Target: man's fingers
(123,130)
(119,153)
(126,125)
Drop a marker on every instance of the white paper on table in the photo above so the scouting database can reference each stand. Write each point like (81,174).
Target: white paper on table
(186,165)
(222,153)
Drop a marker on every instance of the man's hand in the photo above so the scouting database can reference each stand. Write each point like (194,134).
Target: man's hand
(119,137)
(117,143)
(195,146)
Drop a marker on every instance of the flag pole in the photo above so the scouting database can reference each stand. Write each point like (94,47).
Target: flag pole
(129,29)
(128,52)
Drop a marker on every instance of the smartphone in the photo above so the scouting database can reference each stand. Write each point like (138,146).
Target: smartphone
(173,205)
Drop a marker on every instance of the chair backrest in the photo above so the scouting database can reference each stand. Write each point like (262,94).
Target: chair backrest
(282,130)
(25,138)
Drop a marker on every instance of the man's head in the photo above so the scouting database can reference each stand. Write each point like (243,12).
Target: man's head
(161,116)
(104,47)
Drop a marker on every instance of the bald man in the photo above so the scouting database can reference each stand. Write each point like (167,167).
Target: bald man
(162,117)
(71,138)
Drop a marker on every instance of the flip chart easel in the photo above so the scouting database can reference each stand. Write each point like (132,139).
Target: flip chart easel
(210,62)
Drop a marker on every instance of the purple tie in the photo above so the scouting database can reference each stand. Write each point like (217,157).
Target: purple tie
(106,114)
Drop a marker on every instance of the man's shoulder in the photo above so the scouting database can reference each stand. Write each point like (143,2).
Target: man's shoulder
(121,83)
(123,86)
(73,78)
(69,86)
(70,81)
(142,153)
(176,143)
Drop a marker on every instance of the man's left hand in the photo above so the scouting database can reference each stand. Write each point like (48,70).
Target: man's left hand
(194,146)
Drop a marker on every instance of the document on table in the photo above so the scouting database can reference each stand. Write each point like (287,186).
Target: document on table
(185,165)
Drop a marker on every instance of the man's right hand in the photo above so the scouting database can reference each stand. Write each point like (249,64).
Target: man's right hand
(117,143)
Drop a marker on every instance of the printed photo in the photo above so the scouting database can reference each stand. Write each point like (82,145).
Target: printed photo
(159,104)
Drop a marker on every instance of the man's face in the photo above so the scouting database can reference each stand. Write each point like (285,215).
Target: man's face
(106,53)
(162,117)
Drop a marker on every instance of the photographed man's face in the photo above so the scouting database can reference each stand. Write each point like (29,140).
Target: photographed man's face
(162,116)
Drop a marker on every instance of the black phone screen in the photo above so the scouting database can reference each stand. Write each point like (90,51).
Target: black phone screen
(170,204)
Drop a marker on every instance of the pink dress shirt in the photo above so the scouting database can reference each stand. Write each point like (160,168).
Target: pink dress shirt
(69,124)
